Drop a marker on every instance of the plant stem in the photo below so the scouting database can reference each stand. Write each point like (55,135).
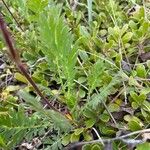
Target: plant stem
(16,58)
(122,138)
(13,53)
(12,15)
(89,4)
(24,72)
(98,136)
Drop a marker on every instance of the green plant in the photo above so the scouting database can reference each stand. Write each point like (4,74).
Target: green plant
(16,127)
(88,61)
(57,43)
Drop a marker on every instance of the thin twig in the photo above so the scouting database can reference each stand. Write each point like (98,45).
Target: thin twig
(125,93)
(39,60)
(115,98)
(108,111)
(12,14)
(122,138)
(141,133)
(81,85)
(82,66)
(98,136)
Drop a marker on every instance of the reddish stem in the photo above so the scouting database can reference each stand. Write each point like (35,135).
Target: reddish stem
(24,72)
(16,59)
(8,40)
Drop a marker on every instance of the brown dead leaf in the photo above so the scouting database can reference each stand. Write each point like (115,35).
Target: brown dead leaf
(145,56)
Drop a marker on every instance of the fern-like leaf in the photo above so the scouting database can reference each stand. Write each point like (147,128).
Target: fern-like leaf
(94,77)
(105,91)
(59,121)
(57,43)
(16,126)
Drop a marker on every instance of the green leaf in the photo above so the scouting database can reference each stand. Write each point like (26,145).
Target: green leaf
(82,80)
(96,147)
(148,63)
(78,131)
(146,106)
(84,56)
(114,32)
(2,142)
(84,32)
(105,91)
(127,37)
(132,25)
(66,140)
(133,82)
(32,101)
(12,88)
(74,138)
(70,99)
(90,123)
(82,93)
(89,4)
(57,42)
(104,117)
(142,98)
(89,113)
(29,56)
(109,44)
(113,107)
(139,99)
(140,14)
(20,77)
(124,29)
(37,5)
(16,126)
(144,28)
(144,113)
(135,105)
(103,32)
(106,130)
(144,146)
(145,91)
(94,77)
(141,72)
(134,96)
(59,121)
(134,125)
(86,147)
(87,136)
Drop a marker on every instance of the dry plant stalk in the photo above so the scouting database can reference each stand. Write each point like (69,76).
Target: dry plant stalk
(12,14)
(16,58)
